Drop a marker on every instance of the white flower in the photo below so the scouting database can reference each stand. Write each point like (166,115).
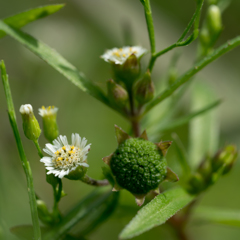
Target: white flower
(120,55)
(51,110)
(26,109)
(65,158)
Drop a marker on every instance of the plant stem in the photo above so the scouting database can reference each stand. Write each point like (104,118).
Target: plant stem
(149,20)
(134,116)
(194,70)
(94,182)
(40,154)
(25,163)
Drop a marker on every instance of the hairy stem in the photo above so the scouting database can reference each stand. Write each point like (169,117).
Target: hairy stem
(97,183)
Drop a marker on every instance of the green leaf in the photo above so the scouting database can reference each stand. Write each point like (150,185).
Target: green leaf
(157,212)
(55,60)
(25,232)
(204,130)
(220,216)
(22,19)
(182,156)
(90,208)
(187,118)
(193,71)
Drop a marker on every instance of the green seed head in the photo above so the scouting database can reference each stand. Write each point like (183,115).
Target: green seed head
(138,166)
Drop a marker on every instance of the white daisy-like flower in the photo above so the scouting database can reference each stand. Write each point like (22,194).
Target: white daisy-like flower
(26,109)
(64,157)
(120,55)
(51,110)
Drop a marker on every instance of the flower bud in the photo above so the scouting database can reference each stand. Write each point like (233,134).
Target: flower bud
(43,213)
(117,94)
(196,184)
(49,118)
(144,89)
(125,62)
(214,20)
(225,157)
(30,124)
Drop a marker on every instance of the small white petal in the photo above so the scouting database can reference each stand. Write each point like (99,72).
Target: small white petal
(84,164)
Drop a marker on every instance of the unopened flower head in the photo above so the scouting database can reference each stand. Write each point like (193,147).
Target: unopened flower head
(31,126)
(65,158)
(120,55)
(26,109)
(49,117)
(51,110)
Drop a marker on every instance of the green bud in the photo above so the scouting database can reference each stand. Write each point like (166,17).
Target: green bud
(205,168)
(214,20)
(196,184)
(225,157)
(30,124)
(205,37)
(49,118)
(144,89)
(77,174)
(43,213)
(116,93)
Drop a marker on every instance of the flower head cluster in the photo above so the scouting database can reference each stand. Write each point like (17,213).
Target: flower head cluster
(139,165)
(120,55)
(65,158)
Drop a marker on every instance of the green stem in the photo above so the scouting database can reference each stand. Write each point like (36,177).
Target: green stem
(149,20)
(25,163)
(40,154)
(98,183)
(194,70)
(194,20)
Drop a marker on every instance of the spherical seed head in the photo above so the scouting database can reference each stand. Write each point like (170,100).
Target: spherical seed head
(138,166)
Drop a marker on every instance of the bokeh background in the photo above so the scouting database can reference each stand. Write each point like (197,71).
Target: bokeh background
(81,32)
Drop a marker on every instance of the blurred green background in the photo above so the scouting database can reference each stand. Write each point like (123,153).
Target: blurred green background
(81,32)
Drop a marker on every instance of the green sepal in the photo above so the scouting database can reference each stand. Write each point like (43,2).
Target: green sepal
(164,146)
(121,135)
(171,176)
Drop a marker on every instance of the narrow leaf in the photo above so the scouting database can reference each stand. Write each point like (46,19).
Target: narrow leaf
(55,60)
(157,212)
(22,19)
(220,216)
(89,207)
(182,156)
(204,129)
(193,71)
(187,118)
